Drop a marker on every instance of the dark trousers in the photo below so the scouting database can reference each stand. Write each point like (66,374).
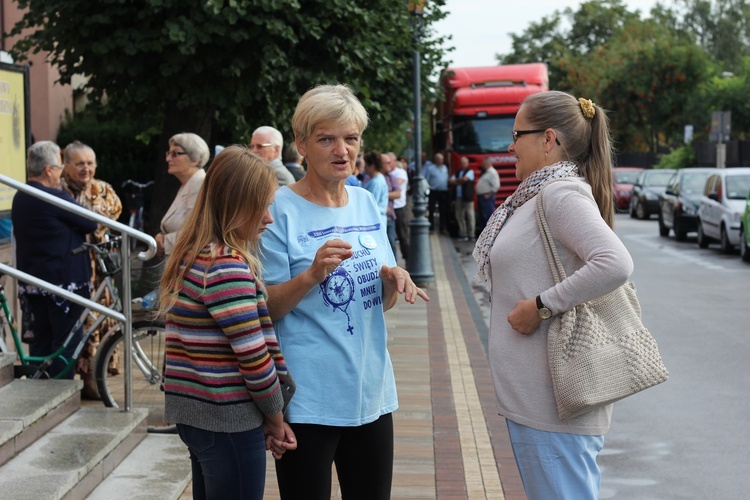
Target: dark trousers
(486,207)
(391,231)
(439,205)
(51,327)
(402,231)
(363,456)
(226,464)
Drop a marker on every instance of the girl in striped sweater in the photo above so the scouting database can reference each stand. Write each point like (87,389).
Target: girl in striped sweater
(226,380)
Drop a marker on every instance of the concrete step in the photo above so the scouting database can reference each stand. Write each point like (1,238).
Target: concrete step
(157,469)
(32,407)
(73,458)
(6,367)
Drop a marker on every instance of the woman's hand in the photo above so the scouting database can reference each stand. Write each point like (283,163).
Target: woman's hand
(279,436)
(159,238)
(328,257)
(524,318)
(396,280)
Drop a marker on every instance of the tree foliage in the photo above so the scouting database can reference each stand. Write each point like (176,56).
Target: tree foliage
(228,66)
(655,75)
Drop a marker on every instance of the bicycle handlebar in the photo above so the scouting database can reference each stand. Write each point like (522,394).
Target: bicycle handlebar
(100,248)
(138,185)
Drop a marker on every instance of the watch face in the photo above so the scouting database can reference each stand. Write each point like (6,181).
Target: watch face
(545,313)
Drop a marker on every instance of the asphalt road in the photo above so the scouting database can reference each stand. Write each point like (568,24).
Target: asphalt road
(687,438)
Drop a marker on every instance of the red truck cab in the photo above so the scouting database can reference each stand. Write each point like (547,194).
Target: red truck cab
(476,116)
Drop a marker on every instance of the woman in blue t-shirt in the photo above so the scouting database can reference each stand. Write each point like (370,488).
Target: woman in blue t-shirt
(331,275)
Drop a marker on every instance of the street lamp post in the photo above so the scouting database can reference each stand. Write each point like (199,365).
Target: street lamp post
(420,256)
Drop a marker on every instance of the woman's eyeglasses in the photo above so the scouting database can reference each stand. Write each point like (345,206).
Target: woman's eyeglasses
(175,154)
(519,133)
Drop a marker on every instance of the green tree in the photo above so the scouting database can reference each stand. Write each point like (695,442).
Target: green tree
(648,78)
(231,65)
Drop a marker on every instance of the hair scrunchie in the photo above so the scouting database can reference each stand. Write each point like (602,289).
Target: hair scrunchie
(587,108)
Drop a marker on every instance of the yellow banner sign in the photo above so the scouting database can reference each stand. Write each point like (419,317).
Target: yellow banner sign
(13,128)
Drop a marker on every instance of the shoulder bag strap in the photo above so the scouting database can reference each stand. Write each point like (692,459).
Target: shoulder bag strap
(558,272)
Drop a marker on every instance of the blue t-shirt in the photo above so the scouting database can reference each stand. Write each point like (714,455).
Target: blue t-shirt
(437,177)
(334,340)
(379,189)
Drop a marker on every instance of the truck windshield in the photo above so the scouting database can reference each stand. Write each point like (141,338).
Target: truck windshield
(482,135)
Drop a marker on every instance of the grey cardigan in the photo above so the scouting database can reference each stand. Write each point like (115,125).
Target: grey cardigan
(596,262)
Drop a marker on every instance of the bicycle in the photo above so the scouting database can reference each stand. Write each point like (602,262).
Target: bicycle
(148,346)
(135,196)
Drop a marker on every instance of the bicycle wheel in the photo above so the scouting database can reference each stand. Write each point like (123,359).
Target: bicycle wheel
(149,356)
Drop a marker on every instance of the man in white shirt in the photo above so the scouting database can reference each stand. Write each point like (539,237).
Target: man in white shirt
(487,186)
(401,179)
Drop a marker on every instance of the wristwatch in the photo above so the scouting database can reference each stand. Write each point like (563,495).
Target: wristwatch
(543,311)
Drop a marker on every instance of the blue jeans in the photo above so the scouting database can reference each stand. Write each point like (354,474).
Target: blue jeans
(486,207)
(226,464)
(556,464)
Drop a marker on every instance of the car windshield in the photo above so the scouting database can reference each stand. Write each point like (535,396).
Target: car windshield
(694,182)
(657,179)
(482,135)
(626,176)
(738,186)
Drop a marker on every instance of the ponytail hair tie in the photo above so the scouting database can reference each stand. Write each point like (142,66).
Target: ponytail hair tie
(587,108)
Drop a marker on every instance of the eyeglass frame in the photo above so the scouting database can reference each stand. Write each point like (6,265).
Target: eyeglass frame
(175,154)
(519,133)
(259,146)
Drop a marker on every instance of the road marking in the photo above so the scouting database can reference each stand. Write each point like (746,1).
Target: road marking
(686,256)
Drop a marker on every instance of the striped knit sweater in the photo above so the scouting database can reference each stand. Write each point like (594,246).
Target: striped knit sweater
(223,359)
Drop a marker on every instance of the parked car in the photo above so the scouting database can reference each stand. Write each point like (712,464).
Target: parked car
(722,205)
(745,232)
(644,200)
(624,178)
(678,205)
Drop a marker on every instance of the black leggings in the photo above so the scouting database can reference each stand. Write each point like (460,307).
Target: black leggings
(363,456)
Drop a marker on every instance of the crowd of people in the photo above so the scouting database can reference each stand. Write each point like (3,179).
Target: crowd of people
(281,263)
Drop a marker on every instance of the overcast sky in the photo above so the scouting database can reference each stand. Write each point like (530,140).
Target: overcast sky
(481,28)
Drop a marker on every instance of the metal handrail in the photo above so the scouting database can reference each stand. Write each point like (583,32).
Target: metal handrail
(127,232)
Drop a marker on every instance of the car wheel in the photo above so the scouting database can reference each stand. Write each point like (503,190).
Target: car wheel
(640,211)
(744,250)
(702,238)
(633,205)
(663,230)
(679,233)
(726,246)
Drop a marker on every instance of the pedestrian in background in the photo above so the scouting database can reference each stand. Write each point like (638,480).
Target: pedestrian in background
(486,188)
(99,197)
(293,162)
(436,176)
(555,136)
(394,192)
(462,183)
(187,156)
(225,375)
(267,142)
(377,185)
(401,179)
(45,239)
(331,276)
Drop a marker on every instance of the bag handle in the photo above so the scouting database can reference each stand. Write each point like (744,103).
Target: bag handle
(558,271)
